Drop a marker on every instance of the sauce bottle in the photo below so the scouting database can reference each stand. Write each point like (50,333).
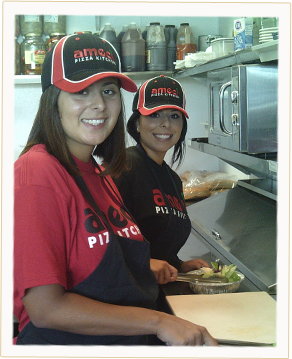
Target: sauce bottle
(155,48)
(133,50)
(185,42)
(108,33)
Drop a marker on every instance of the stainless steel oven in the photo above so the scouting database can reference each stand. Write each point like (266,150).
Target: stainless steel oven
(243,108)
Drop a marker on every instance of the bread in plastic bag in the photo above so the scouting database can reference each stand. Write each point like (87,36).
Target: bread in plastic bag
(202,184)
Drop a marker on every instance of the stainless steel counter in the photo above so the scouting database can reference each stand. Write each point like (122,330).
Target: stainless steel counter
(239,226)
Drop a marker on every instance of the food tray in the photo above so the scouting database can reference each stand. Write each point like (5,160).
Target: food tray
(216,288)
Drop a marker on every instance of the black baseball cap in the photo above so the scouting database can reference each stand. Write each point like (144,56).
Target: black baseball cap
(160,93)
(78,60)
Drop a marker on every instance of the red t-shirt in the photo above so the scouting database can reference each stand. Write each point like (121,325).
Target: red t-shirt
(58,238)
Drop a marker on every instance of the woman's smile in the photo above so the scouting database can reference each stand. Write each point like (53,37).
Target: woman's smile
(93,122)
(162,137)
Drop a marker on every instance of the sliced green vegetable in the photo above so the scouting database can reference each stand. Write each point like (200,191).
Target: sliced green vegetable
(227,272)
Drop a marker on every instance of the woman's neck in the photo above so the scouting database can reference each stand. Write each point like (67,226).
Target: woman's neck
(157,157)
(82,153)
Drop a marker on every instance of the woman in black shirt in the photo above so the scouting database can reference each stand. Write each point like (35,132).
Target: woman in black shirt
(151,190)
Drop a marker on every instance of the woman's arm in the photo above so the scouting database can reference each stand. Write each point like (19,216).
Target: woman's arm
(50,306)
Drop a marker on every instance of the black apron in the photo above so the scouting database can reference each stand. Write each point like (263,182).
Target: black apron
(169,242)
(123,277)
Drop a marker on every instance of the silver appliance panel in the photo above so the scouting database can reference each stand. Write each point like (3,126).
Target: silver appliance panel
(243,108)
(240,226)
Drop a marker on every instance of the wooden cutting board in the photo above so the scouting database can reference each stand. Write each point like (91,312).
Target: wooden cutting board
(247,318)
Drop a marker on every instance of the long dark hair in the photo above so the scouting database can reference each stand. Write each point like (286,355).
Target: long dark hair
(47,129)
(179,148)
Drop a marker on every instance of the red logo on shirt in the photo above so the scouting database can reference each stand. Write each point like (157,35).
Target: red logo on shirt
(159,200)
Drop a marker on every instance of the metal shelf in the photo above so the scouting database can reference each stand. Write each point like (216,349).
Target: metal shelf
(247,163)
(144,75)
(27,79)
(259,53)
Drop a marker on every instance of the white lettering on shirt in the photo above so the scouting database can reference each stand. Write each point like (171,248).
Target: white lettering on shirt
(103,238)
(164,210)
(91,241)
(133,230)
(125,231)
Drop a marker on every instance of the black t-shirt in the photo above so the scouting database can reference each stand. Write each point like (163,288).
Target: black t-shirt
(142,196)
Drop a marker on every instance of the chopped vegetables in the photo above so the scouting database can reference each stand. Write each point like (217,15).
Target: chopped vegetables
(224,271)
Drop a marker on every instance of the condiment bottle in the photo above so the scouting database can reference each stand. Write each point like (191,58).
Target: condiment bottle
(185,43)
(133,50)
(122,32)
(170,37)
(155,48)
(32,54)
(108,33)
(54,37)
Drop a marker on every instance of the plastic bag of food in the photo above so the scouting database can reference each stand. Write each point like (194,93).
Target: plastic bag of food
(201,184)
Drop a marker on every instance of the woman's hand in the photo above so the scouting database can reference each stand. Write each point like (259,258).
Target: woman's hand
(193,264)
(177,331)
(163,271)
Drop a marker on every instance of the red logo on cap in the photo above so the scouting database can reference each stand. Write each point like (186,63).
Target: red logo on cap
(92,52)
(164,90)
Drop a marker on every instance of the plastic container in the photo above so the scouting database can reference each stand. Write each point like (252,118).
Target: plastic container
(133,50)
(108,33)
(156,53)
(204,41)
(185,43)
(222,47)
(32,54)
(122,33)
(170,37)
(31,24)
(54,23)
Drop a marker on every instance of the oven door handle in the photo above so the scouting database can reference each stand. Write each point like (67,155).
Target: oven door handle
(221,108)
